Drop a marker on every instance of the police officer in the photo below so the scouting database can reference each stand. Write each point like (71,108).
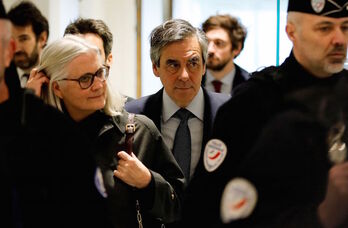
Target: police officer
(268,163)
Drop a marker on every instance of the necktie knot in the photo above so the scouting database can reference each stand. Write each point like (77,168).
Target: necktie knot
(183,114)
(217,85)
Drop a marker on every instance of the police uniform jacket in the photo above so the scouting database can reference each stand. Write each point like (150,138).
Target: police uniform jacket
(281,150)
(160,200)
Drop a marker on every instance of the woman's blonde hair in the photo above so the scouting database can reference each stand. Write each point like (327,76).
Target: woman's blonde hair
(54,60)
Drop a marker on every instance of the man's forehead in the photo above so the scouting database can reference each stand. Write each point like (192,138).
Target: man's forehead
(23,30)
(315,19)
(217,32)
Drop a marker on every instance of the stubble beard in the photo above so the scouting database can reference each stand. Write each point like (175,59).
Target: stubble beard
(29,61)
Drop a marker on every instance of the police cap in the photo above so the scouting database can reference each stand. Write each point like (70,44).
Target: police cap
(328,8)
(3,14)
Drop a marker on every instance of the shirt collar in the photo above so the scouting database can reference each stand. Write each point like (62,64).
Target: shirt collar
(227,79)
(21,72)
(196,107)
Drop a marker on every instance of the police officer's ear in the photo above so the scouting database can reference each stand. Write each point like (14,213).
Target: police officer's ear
(155,70)
(42,40)
(56,90)
(290,31)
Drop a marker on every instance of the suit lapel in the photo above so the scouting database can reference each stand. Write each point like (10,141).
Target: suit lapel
(207,119)
(207,127)
(153,108)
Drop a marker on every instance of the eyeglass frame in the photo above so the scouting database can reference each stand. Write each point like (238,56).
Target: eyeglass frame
(106,67)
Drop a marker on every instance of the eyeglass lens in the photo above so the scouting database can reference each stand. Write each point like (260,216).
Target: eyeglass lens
(87,80)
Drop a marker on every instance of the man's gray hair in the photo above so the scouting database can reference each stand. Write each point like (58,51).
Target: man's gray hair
(173,31)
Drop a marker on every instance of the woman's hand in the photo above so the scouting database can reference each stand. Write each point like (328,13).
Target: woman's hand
(132,171)
(36,81)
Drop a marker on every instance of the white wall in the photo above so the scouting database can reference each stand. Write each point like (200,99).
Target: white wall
(119,15)
(151,17)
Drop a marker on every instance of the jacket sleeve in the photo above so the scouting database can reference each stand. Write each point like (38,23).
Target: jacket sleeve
(167,178)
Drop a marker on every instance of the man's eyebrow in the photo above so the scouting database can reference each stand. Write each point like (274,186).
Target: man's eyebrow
(23,36)
(171,61)
(324,23)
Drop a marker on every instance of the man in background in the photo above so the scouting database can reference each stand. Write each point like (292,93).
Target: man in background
(30,31)
(226,36)
(96,32)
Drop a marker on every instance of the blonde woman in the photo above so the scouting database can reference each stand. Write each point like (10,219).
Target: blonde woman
(147,182)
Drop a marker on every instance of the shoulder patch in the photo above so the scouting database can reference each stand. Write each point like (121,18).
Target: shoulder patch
(238,200)
(214,154)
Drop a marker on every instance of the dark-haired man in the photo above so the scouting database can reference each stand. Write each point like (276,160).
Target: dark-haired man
(96,32)
(30,31)
(226,36)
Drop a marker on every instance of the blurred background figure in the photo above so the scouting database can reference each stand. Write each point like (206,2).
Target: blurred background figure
(30,31)
(226,36)
(96,32)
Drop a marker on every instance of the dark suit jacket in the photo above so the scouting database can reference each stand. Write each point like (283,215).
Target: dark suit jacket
(151,106)
(240,77)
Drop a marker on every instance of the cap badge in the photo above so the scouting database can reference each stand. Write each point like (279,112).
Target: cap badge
(318,5)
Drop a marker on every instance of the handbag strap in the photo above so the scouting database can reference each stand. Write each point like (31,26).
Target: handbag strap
(130,130)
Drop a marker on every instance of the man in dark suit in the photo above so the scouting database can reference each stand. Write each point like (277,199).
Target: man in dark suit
(178,54)
(226,36)
(30,31)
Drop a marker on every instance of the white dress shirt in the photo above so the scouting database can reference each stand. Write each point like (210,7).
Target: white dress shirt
(23,80)
(227,82)
(169,124)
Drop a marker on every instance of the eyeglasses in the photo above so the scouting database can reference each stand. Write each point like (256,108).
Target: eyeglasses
(87,80)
